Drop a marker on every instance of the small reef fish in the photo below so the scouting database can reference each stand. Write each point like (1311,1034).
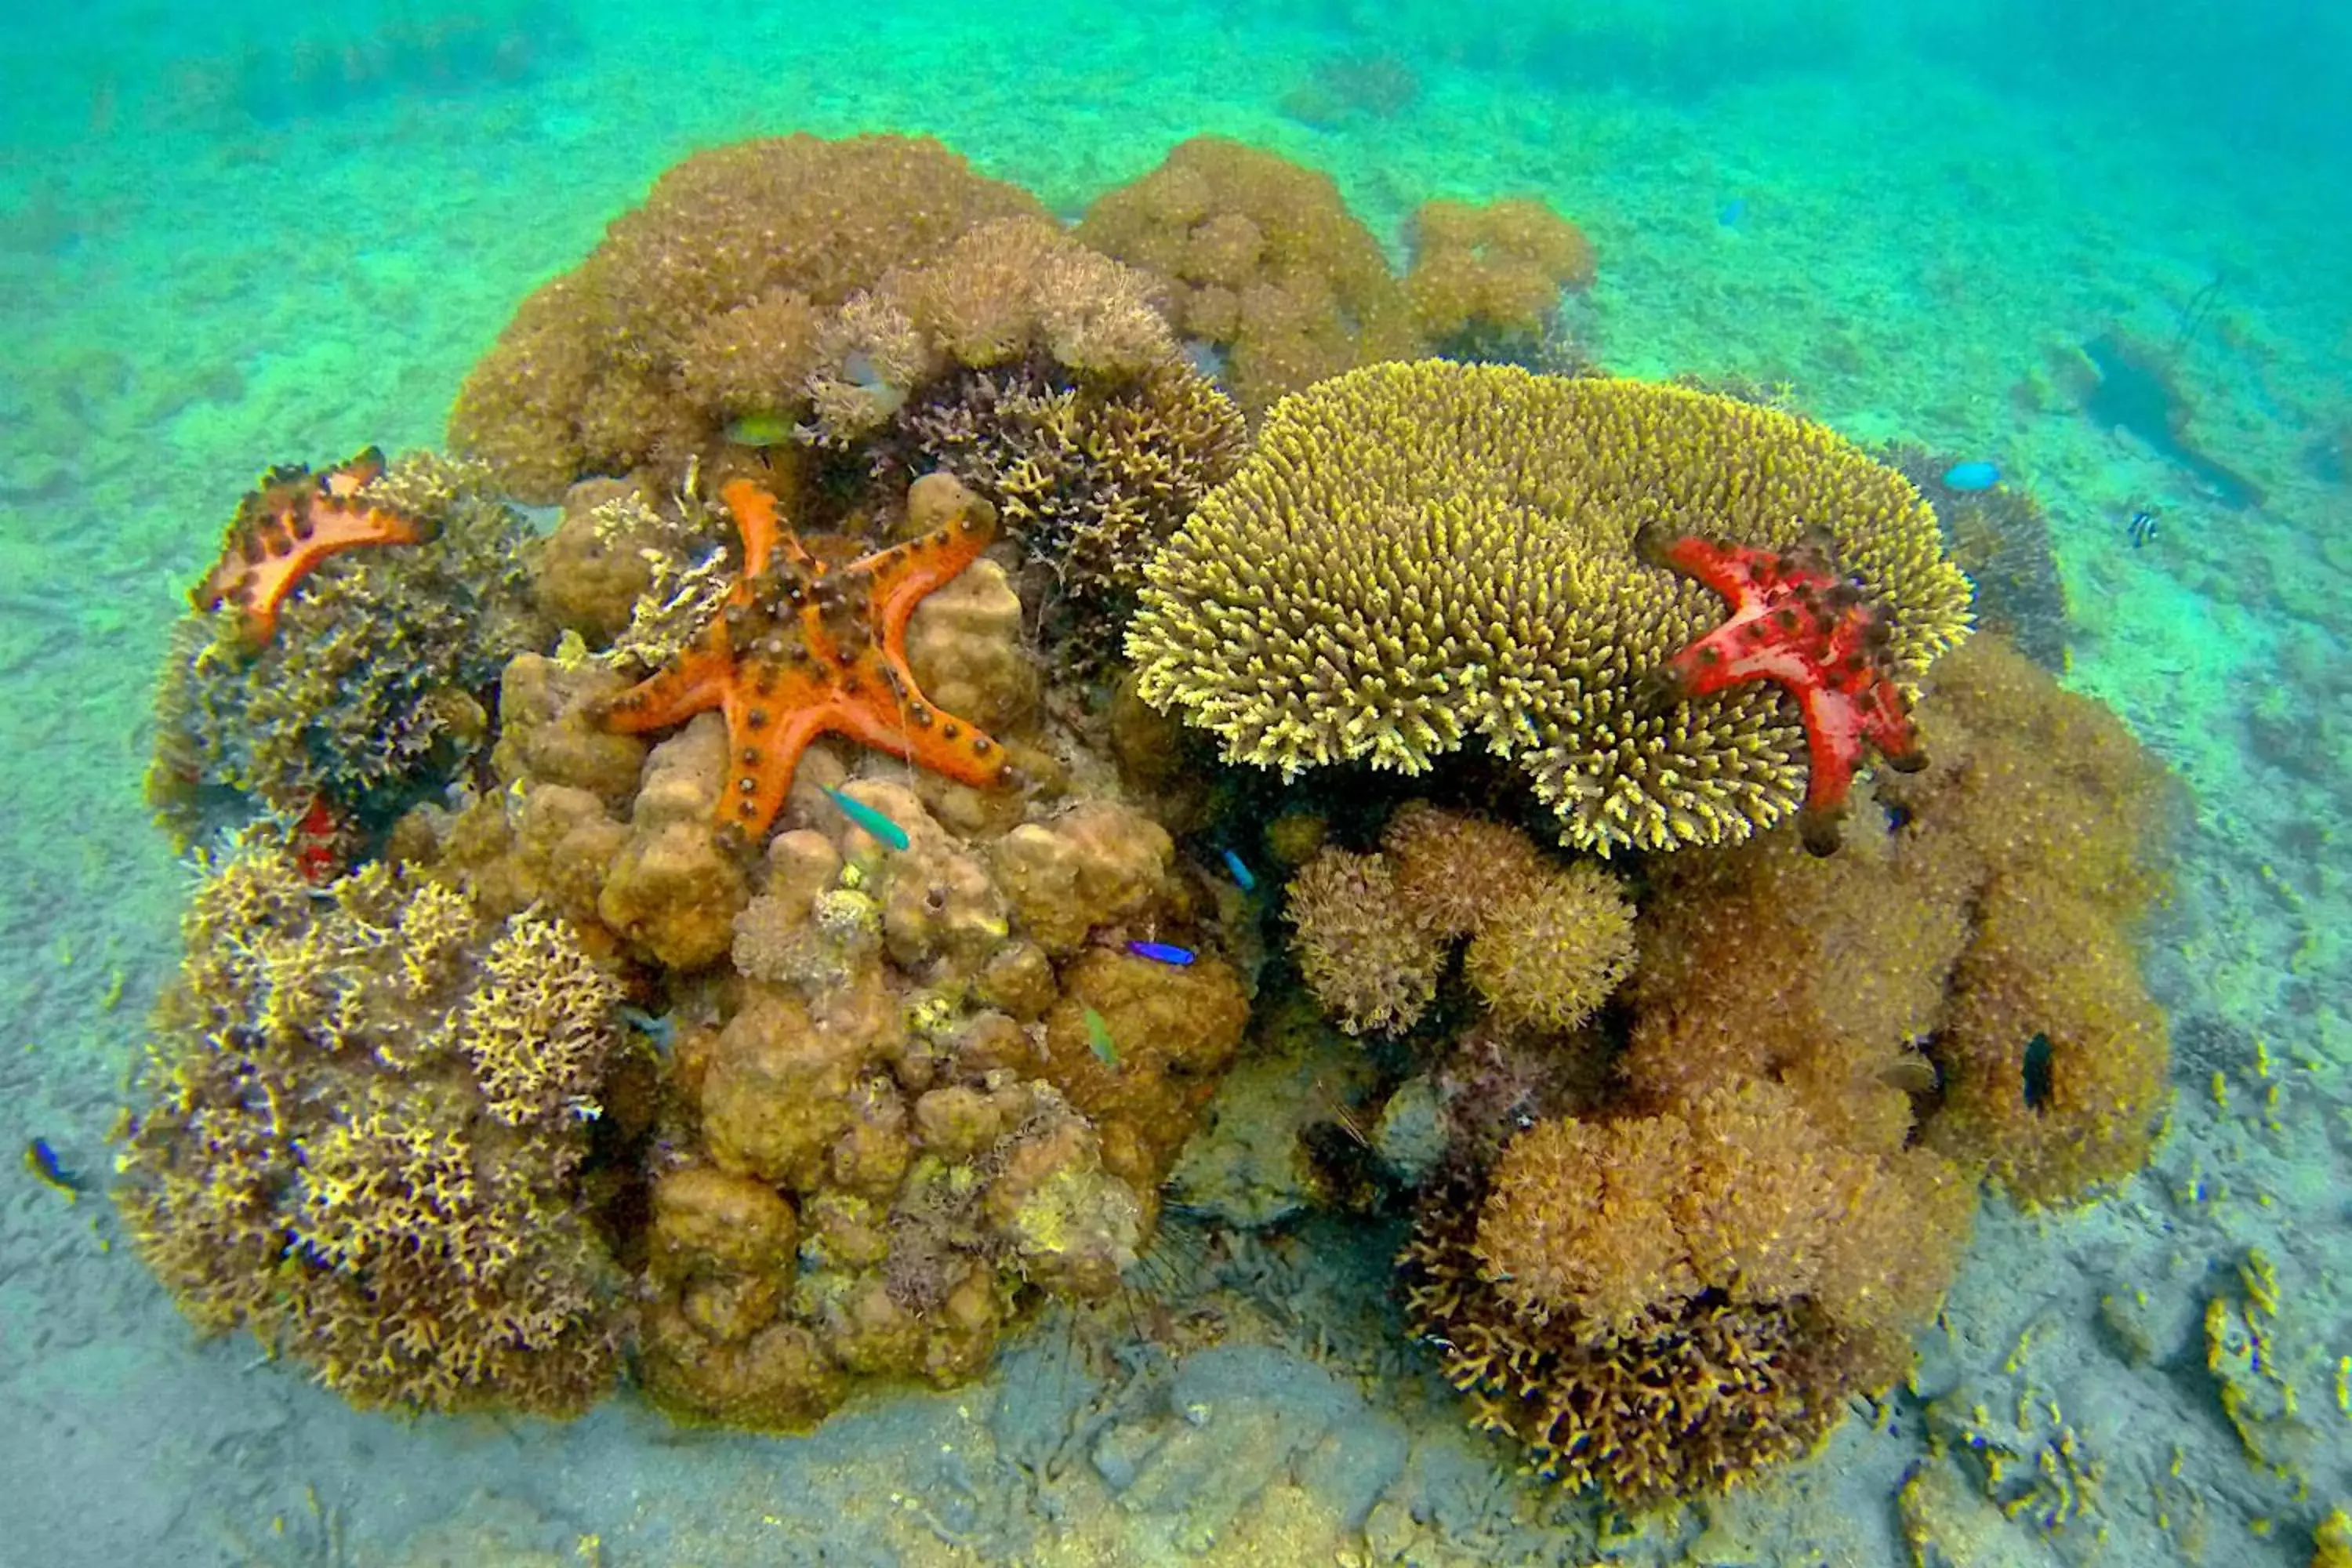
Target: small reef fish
(1244,878)
(866,817)
(1162,952)
(2037,1086)
(1974,474)
(1731,212)
(760,430)
(1106,1049)
(661,1031)
(47,1168)
(2142,527)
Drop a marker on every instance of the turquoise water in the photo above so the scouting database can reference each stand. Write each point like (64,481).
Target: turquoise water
(228,239)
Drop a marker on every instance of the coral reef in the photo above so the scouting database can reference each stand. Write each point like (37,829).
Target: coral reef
(703,306)
(372,689)
(1416,554)
(360,1133)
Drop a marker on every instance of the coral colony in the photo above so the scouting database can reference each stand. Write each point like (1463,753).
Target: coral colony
(743,933)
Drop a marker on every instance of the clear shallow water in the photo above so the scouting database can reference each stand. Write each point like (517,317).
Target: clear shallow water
(224,243)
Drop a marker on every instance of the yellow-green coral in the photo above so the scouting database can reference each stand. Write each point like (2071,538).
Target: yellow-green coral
(1419,554)
(311,1158)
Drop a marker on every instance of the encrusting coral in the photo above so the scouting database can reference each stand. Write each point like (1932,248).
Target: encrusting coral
(360,1132)
(1418,554)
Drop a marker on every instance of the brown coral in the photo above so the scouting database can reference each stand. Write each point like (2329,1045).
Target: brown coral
(704,298)
(1549,954)
(1371,964)
(1262,259)
(361,1133)
(1486,276)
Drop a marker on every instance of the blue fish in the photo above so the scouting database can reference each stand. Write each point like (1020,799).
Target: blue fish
(1732,212)
(1973,475)
(866,817)
(1243,876)
(1162,952)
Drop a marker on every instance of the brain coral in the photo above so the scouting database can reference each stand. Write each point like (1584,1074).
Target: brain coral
(1416,554)
(364,1114)
(704,304)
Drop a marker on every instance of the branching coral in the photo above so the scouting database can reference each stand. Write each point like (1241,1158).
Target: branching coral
(372,689)
(1418,554)
(311,1157)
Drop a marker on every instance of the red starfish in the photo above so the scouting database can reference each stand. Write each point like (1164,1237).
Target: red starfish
(1796,622)
(802,648)
(295,520)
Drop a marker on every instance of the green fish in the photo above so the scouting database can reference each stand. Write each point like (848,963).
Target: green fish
(1098,1036)
(760,430)
(866,817)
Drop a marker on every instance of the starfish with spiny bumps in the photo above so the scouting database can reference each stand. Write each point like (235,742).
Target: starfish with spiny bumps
(1797,622)
(288,526)
(802,648)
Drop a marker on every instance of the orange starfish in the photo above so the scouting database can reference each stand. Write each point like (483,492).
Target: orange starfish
(802,648)
(295,520)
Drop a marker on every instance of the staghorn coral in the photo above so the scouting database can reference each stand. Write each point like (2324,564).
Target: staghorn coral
(1418,554)
(707,297)
(310,1156)
(1262,260)
(372,689)
(1486,280)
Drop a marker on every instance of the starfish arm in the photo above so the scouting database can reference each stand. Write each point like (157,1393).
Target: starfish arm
(1833,743)
(761,761)
(696,683)
(920,733)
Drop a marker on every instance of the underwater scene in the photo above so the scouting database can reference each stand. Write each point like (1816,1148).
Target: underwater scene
(1255,782)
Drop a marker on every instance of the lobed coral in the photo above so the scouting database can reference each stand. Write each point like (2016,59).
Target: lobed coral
(1418,554)
(704,305)
(1485,281)
(371,691)
(1372,932)
(1263,261)
(360,1132)
(1667,1304)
